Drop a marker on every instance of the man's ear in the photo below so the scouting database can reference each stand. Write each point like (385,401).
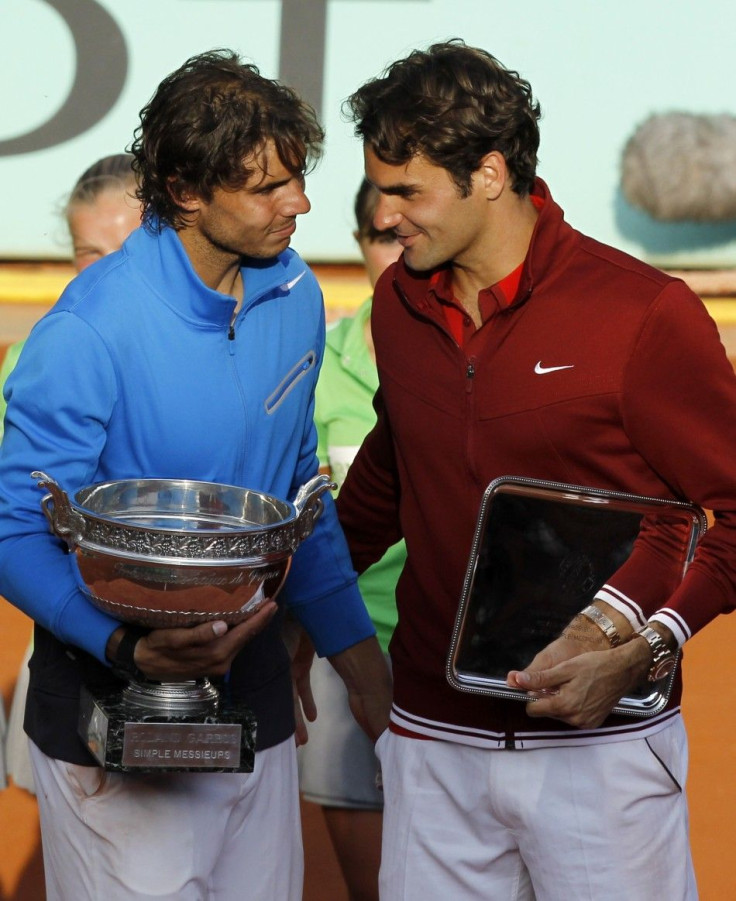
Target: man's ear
(182,195)
(494,174)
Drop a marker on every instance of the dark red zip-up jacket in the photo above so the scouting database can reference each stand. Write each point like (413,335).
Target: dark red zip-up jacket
(647,405)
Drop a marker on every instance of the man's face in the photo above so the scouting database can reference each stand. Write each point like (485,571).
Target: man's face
(258,219)
(422,204)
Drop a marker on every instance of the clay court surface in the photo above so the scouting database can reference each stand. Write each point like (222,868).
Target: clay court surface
(710,688)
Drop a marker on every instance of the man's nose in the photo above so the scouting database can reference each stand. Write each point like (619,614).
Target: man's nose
(387,214)
(297,202)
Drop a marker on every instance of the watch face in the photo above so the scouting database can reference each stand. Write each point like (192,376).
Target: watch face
(663,660)
(660,670)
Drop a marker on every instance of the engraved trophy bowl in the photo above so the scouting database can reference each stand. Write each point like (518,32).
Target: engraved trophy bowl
(166,553)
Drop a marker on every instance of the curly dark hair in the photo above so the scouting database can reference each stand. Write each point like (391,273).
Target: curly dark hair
(452,104)
(204,121)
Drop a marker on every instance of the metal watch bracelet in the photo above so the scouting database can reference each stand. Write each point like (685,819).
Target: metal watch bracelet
(663,658)
(604,623)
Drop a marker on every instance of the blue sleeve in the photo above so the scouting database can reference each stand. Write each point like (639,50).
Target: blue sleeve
(322,590)
(58,405)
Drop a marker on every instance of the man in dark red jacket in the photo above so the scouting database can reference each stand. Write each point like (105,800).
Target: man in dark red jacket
(510,344)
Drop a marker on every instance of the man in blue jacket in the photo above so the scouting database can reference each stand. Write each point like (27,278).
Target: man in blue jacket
(191,353)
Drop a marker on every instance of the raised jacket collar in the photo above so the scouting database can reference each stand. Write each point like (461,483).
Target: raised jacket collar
(161,253)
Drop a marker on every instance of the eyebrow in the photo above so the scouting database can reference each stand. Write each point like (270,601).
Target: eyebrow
(265,186)
(399,190)
(396,190)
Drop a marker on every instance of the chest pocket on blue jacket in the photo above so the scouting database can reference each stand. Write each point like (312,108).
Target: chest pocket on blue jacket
(290,381)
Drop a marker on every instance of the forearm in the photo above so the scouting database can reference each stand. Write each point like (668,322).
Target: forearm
(610,630)
(36,576)
(581,676)
(365,673)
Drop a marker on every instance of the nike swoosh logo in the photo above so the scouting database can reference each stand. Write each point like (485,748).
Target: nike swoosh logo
(543,370)
(289,285)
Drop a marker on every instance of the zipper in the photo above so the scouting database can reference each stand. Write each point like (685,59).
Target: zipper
(472,425)
(470,375)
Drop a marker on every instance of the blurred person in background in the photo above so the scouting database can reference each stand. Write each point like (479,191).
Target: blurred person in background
(338,766)
(100,213)
(102,210)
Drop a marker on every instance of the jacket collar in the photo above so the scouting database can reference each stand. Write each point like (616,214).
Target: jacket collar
(165,266)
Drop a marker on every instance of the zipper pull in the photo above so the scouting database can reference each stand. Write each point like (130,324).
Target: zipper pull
(231,332)
(469,375)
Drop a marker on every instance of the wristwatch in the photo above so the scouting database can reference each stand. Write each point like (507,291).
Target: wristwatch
(663,659)
(124,665)
(604,623)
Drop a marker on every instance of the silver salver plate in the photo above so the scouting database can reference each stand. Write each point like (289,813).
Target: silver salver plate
(541,552)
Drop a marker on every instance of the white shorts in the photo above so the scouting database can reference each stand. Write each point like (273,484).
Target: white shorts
(171,836)
(338,765)
(603,822)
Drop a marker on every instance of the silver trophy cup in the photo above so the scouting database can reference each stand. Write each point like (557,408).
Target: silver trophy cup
(164,553)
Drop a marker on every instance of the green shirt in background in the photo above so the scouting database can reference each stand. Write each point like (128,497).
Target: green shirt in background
(344,415)
(9,361)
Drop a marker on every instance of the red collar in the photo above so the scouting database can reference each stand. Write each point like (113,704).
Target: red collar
(496,297)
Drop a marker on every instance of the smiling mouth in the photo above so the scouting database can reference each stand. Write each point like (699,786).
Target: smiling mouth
(405,240)
(286,230)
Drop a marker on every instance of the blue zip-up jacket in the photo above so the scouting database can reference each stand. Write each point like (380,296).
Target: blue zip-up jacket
(137,373)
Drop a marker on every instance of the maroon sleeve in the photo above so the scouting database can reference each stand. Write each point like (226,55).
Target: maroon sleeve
(661,552)
(368,502)
(679,408)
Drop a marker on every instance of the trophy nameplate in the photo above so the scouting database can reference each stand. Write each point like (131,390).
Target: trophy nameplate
(123,737)
(541,552)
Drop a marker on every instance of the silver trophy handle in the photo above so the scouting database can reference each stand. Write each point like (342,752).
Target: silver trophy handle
(309,504)
(64,521)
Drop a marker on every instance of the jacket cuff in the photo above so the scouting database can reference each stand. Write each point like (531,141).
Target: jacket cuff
(335,622)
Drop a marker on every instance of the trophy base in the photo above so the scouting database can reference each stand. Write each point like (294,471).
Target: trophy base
(125,736)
